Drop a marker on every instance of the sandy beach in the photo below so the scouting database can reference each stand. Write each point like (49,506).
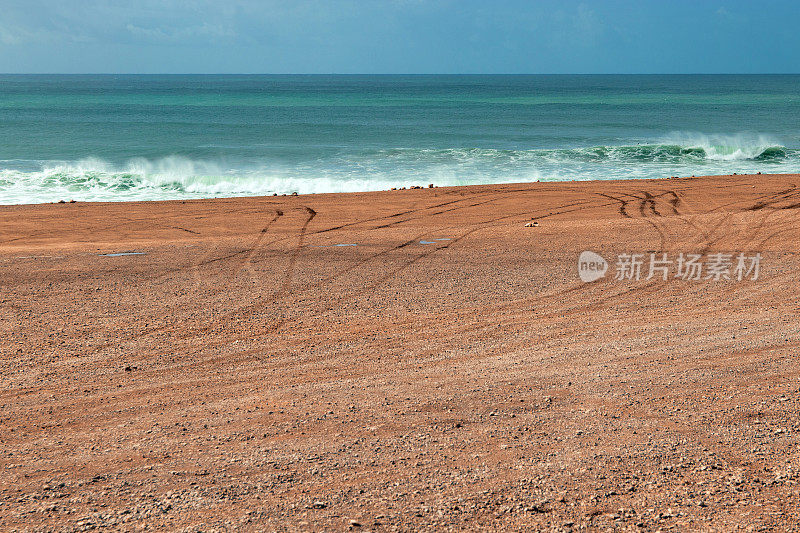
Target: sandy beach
(402,360)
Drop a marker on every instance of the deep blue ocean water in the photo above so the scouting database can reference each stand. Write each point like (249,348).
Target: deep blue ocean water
(164,137)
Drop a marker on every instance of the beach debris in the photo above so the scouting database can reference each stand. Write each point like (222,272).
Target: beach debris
(532,224)
(120,254)
(430,186)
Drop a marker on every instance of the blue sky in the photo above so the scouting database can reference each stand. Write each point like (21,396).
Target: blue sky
(399,36)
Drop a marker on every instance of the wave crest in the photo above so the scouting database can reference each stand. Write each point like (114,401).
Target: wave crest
(374,169)
(739,147)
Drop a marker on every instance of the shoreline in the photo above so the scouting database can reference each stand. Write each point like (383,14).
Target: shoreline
(399,189)
(414,187)
(410,359)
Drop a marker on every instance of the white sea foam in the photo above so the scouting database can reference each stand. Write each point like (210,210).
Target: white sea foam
(177,177)
(739,147)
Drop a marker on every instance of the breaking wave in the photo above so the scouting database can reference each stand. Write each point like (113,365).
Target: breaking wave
(178,177)
(730,147)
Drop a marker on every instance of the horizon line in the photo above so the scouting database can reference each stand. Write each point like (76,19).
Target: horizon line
(399,74)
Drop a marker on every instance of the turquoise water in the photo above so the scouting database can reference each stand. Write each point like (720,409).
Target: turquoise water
(166,137)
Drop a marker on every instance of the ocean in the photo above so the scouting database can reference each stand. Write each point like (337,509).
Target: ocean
(157,137)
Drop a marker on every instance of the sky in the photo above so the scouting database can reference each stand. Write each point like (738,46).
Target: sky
(399,36)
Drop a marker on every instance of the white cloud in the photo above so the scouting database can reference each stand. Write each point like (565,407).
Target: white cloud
(17,34)
(580,29)
(109,21)
(204,31)
(588,23)
(8,36)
